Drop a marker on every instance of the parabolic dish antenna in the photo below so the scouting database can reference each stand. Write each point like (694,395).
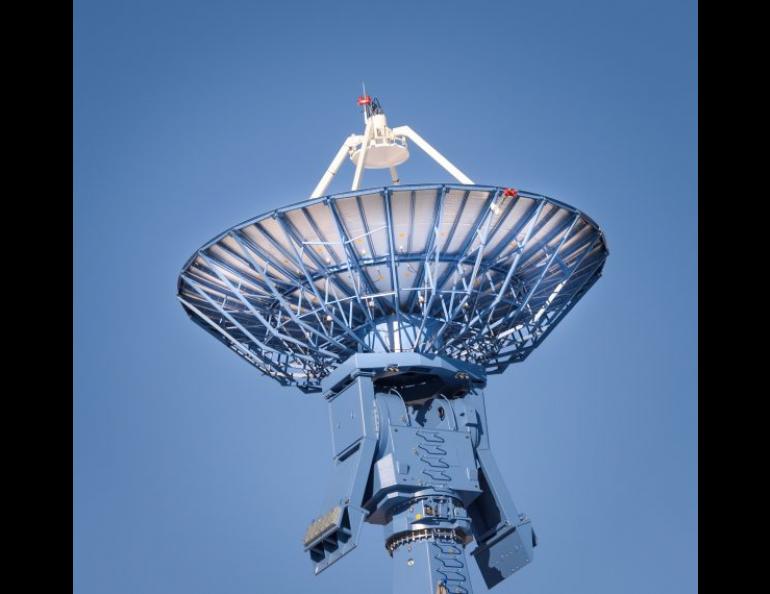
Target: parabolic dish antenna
(396,302)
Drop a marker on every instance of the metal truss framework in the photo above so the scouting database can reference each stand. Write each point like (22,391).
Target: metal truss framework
(474,273)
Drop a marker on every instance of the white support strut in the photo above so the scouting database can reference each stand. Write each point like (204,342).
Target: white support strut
(433,153)
(351,141)
(362,156)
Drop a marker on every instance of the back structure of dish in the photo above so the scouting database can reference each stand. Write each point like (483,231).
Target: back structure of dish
(479,274)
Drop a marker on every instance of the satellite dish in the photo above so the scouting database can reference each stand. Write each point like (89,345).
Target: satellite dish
(396,303)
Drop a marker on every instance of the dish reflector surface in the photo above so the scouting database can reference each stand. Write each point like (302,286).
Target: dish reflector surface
(467,272)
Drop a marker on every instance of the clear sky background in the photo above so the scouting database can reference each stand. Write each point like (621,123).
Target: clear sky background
(194,474)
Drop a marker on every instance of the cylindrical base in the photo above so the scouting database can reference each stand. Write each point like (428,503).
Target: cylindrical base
(434,566)
(427,541)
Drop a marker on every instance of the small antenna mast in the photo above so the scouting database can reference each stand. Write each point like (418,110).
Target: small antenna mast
(366,111)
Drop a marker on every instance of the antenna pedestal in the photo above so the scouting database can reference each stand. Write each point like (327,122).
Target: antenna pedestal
(411,453)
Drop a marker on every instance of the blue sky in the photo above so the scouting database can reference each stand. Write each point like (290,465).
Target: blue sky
(192,473)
